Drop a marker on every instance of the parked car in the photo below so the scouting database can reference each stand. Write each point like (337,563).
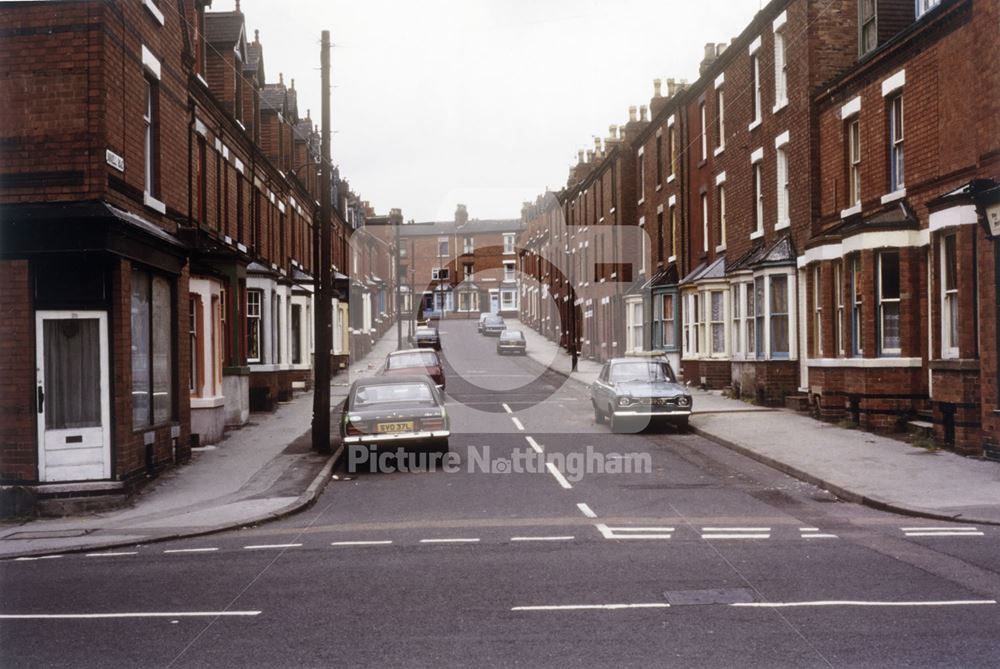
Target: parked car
(415,361)
(482,318)
(636,391)
(511,341)
(400,411)
(493,325)
(427,338)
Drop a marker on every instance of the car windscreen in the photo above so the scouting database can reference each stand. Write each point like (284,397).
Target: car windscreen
(426,333)
(413,359)
(641,370)
(494,321)
(512,335)
(366,396)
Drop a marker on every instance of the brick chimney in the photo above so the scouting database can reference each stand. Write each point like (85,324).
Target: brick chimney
(657,102)
(461,216)
(710,55)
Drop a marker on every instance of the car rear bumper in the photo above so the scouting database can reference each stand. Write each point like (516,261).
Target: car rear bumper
(632,413)
(400,437)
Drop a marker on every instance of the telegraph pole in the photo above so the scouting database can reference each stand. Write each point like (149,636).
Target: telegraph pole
(399,292)
(324,333)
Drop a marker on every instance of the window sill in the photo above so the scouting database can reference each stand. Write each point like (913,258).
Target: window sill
(659,187)
(893,196)
(779,105)
(612,210)
(720,248)
(153,10)
(672,259)
(753,125)
(671,178)
(850,211)
(718,150)
(757,234)
(153,203)
(640,202)
(782,225)
(955,364)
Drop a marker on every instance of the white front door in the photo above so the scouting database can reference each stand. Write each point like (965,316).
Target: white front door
(71,390)
(494,303)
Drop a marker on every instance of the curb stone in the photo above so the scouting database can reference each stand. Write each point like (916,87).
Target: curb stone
(841,492)
(304,501)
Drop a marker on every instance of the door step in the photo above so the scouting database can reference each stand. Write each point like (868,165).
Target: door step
(921,428)
(798,403)
(66,499)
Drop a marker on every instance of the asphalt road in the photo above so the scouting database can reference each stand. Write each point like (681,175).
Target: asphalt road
(661,549)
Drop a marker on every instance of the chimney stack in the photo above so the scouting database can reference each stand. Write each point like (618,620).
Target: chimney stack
(461,216)
(631,114)
(579,156)
(642,113)
(656,88)
(710,56)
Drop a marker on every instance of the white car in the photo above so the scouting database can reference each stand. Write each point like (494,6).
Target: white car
(482,317)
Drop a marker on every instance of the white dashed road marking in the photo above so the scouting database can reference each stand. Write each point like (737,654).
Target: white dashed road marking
(850,602)
(112,554)
(579,607)
(736,533)
(149,614)
(450,541)
(517,423)
(563,538)
(558,476)
(506,408)
(586,510)
(941,532)
(190,550)
(380,542)
(534,444)
(263,546)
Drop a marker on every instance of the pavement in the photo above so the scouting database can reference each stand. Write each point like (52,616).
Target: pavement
(266,469)
(857,466)
(259,472)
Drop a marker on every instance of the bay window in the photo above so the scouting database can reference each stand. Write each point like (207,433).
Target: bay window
(949,297)
(255,299)
(718,323)
(152,322)
(888,303)
(779,316)
(668,329)
(857,302)
(838,293)
(634,325)
(760,312)
(751,318)
(735,312)
(817,312)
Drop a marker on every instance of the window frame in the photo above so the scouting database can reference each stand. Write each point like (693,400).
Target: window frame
(780,70)
(755,90)
(774,317)
(717,324)
(950,342)
(758,191)
(854,161)
(883,302)
(783,193)
(857,306)
(817,297)
(151,278)
(255,325)
(720,119)
(896,136)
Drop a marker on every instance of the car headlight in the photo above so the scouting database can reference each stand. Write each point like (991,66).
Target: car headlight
(683,401)
(624,401)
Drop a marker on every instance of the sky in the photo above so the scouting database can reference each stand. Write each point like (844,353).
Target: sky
(480,102)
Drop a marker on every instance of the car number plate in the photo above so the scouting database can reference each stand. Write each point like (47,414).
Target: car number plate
(402,426)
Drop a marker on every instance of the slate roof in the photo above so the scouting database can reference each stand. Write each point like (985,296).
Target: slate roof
(223,27)
(272,96)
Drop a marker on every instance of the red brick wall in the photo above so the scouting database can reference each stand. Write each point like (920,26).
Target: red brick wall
(50,56)
(19,463)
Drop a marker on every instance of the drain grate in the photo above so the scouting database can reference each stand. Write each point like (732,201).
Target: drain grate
(706,597)
(48,534)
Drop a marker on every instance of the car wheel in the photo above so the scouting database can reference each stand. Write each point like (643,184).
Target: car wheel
(682,424)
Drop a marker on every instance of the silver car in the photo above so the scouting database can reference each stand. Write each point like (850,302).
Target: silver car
(632,392)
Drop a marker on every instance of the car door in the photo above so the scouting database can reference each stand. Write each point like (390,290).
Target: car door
(599,389)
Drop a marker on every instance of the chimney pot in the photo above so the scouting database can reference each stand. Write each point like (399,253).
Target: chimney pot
(579,155)
(709,50)
(642,113)
(656,88)
(631,113)
(613,131)
(256,36)
(720,47)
